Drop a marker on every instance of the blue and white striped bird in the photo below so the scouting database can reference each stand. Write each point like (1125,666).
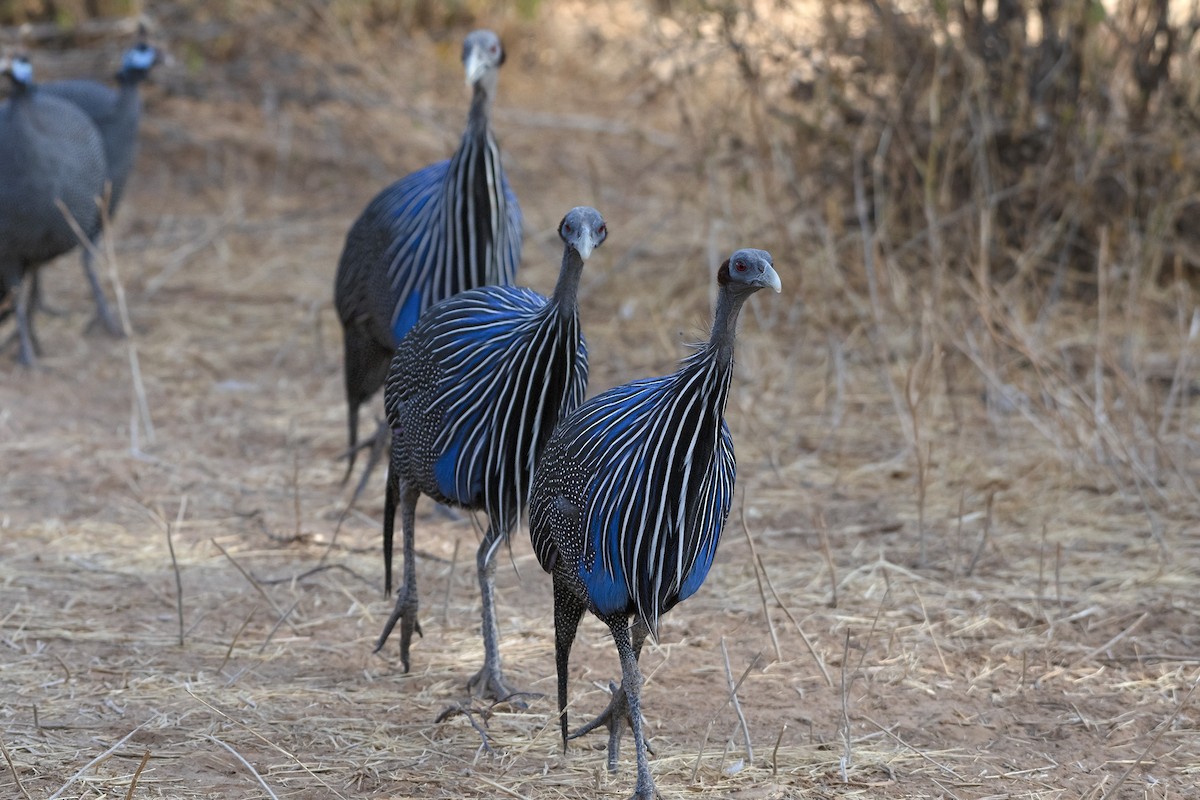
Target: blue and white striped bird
(475,388)
(452,226)
(629,501)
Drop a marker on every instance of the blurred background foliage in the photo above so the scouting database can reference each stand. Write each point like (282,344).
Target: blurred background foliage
(995,134)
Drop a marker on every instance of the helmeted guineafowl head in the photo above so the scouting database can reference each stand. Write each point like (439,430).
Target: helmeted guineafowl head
(138,61)
(583,229)
(482,56)
(18,70)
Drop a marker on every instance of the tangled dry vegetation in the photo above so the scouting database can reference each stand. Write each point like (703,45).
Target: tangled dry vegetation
(962,561)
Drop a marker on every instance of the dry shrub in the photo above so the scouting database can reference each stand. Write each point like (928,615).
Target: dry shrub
(1000,196)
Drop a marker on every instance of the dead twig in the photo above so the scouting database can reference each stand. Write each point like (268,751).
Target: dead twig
(96,760)
(1089,655)
(717,713)
(245,764)
(175,566)
(762,594)
(13,769)
(268,743)
(250,579)
(923,755)
(787,613)
(1112,790)
(737,704)
(137,773)
(470,712)
(236,635)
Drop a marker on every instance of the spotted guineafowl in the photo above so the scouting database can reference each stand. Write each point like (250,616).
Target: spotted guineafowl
(51,162)
(629,500)
(452,226)
(116,113)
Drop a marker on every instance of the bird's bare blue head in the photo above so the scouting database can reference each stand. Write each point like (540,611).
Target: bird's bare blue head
(482,55)
(747,271)
(583,230)
(138,61)
(18,70)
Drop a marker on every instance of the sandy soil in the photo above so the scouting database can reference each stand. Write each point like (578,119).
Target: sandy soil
(1045,648)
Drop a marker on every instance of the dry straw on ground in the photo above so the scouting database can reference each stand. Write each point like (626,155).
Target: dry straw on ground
(961,561)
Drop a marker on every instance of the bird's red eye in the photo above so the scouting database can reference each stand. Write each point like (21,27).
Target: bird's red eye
(602,230)
(740,266)
(567,229)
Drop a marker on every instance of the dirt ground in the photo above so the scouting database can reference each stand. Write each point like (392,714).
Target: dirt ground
(1046,646)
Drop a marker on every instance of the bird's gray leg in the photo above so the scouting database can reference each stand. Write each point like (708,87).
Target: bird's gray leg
(27,341)
(617,714)
(489,681)
(38,301)
(103,313)
(631,681)
(380,441)
(568,610)
(405,611)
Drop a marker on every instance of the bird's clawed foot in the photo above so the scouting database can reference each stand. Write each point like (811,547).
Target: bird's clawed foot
(405,613)
(645,790)
(480,725)
(489,684)
(615,717)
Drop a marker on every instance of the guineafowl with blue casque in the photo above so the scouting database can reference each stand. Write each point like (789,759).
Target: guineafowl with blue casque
(474,390)
(50,153)
(629,500)
(452,226)
(116,113)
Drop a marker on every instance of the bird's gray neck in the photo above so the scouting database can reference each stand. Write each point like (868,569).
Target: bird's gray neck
(20,90)
(479,117)
(725,320)
(566,291)
(130,77)
(128,97)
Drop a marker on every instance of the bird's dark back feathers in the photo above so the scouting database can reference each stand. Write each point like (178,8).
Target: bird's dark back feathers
(49,150)
(116,114)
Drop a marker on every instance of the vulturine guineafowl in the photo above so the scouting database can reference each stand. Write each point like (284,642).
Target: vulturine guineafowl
(474,390)
(452,226)
(629,500)
(50,153)
(116,113)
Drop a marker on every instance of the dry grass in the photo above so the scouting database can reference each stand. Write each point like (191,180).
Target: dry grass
(968,561)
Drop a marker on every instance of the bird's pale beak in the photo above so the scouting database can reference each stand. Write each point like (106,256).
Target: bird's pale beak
(475,65)
(586,246)
(770,278)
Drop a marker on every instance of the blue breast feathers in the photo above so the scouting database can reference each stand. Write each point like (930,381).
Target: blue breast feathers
(473,336)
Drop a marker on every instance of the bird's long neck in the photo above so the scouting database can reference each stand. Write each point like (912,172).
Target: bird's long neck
(129,99)
(566,291)
(480,115)
(724,329)
(21,91)
(477,245)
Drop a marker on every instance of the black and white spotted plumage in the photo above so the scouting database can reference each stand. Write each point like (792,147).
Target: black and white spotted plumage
(50,154)
(474,391)
(116,114)
(631,495)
